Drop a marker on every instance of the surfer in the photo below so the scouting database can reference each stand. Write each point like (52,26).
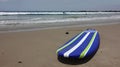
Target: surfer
(64,12)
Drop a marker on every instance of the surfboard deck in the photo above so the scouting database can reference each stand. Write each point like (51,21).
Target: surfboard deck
(80,46)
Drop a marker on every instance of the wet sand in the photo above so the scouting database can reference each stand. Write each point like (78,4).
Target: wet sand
(38,48)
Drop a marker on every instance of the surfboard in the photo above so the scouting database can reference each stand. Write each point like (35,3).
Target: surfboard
(80,46)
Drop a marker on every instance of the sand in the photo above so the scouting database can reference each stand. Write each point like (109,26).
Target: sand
(38,48)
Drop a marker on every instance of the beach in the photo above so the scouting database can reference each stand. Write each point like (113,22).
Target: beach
(38,48)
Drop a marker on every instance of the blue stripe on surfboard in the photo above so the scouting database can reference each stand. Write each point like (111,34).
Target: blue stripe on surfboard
(69,40)
(79,50)
(94,46)
(71,45)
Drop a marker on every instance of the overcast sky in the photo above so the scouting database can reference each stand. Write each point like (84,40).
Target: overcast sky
(58,5)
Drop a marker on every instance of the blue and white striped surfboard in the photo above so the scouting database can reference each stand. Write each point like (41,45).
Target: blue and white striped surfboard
(81,46)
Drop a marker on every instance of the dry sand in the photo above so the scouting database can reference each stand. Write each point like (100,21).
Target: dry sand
(37,48)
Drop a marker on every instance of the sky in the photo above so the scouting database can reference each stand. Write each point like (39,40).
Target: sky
(58,5)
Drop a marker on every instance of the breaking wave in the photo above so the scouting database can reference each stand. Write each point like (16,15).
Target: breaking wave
(52,13)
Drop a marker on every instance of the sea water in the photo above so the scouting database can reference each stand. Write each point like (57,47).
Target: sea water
(53,17)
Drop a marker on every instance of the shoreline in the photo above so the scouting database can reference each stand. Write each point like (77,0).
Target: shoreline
(44,26)
(52,28)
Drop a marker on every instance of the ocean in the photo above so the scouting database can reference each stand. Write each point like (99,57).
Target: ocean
(43,19)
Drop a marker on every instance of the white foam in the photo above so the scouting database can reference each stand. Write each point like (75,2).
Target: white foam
(59,12)
(57,20)
(30,13)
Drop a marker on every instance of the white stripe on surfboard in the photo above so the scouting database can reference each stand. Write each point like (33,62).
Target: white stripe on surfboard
(66,54)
